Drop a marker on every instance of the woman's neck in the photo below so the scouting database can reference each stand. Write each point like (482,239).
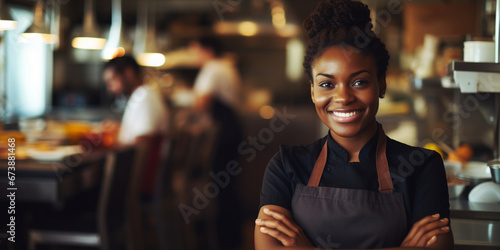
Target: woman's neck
(353,145)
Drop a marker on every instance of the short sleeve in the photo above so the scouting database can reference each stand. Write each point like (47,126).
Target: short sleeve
(145,114)
(276,185)
(431,190)
(206,81)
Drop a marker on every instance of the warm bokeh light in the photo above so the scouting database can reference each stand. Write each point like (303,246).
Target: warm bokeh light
(248,28)
(266,112)
(290,30)
(278,15)
(223,28)
(277,9)
(279,21)
(294,58)
(109,54)
(151,59)
(7,24)
(38,38)
(92,43)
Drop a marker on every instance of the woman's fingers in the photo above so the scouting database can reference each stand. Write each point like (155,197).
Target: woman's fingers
(415,228)
(280,226)
(431,241)
(281,217)
(422,235)
(424,230)
(432,229)
(412,238)
(431,236)
(283,238)
(277,225)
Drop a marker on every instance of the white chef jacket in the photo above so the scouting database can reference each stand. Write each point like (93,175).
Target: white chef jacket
(145,114)
(219,79)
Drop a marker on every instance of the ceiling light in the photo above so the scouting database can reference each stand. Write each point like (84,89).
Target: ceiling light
(145,49)
(6,21)
(248,28)
(90,36)
(39,31)
(151,59)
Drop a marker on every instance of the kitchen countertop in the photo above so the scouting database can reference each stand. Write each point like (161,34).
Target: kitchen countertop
(472,232)
(464,209)
(475,225)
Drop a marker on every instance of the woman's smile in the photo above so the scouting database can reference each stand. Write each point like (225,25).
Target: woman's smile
(346,116)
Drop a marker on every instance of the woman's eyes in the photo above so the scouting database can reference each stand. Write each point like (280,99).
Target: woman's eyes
(354,83)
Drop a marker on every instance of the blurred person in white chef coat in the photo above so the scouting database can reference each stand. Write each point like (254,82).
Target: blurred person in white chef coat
(145,115)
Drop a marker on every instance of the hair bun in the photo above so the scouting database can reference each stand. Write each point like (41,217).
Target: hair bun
(337,14)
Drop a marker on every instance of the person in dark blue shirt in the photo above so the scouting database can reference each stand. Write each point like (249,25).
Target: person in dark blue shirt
(354,188)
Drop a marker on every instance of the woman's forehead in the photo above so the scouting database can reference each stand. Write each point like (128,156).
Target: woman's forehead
(343,58)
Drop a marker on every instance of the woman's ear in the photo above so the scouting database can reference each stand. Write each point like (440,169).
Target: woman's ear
(382,87)
(312,91)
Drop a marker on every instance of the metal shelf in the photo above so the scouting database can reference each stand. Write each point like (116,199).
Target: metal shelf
(474,77)
(476,66)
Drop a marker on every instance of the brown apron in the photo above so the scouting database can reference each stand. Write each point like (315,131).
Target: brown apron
(351,218)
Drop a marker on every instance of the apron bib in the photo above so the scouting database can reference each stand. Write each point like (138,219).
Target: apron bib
(351,218)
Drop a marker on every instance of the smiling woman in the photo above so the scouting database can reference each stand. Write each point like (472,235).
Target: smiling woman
(354,188)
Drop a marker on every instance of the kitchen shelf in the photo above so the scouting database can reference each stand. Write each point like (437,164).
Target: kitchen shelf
(474,77)
(464,209)
(476,66)
(433,84)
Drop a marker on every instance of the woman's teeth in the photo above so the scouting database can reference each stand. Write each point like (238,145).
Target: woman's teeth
(346,114)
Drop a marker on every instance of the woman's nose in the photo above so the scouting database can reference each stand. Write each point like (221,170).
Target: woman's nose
(343,95)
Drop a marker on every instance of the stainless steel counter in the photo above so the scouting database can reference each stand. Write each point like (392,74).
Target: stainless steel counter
(472,232)
(475,225)
(462,208)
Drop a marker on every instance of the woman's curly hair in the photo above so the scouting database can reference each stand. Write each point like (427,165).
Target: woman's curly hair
(342,23)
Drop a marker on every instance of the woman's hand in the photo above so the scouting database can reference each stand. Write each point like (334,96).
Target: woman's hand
(283,229)
(425,231)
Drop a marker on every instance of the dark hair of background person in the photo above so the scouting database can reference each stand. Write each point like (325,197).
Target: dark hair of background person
(210,43)
(342,23)
(120,64)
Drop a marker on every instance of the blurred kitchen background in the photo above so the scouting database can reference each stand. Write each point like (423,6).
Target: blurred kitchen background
(265,39)
(56,78)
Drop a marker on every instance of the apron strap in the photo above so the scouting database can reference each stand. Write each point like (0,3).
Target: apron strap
(319,166)
(384,176)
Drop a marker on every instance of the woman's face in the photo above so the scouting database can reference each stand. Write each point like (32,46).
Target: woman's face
(345,90)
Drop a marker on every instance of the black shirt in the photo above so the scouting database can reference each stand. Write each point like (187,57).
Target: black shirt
(416,172)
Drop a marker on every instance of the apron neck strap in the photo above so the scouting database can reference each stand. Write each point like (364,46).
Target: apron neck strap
(384,176)
(319,166)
